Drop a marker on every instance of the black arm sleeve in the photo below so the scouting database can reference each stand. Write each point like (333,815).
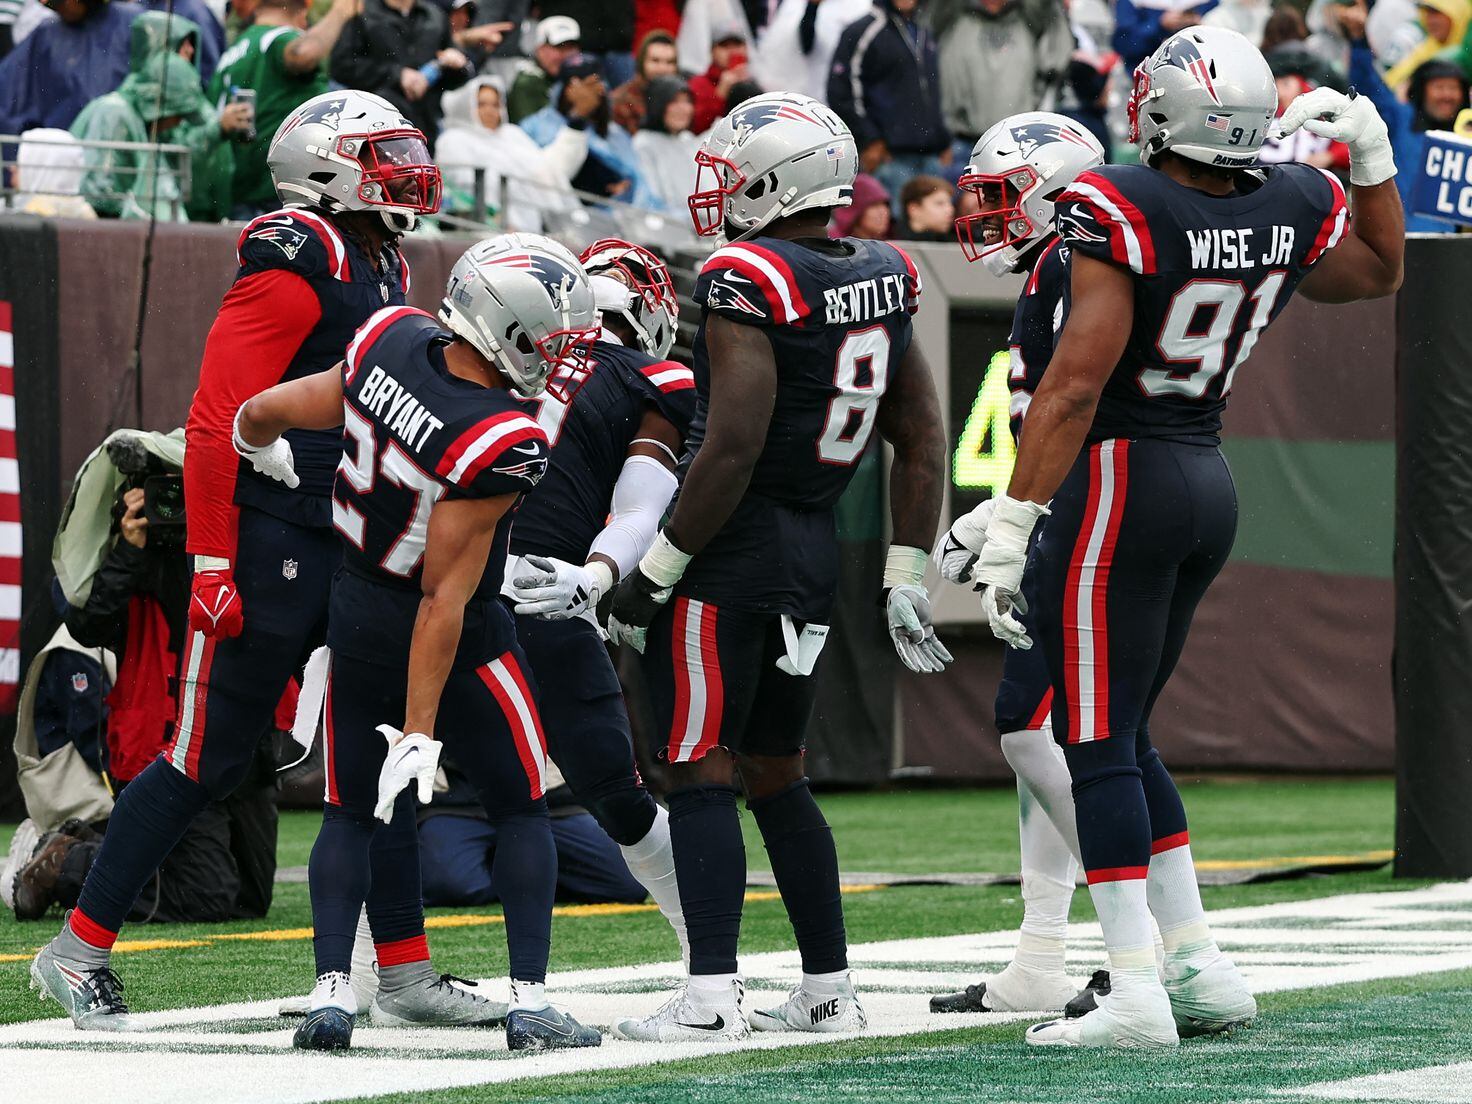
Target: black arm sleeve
(102,622)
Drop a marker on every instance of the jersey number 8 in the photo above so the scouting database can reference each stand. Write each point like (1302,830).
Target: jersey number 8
(860,373)
(1205,351)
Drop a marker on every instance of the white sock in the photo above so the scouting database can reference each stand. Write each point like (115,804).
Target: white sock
(1124,915)
(528,996)
(334,990)
(364,964)
(652,862)
(1037,760)
(1175,902)
(824,983)
(712,990)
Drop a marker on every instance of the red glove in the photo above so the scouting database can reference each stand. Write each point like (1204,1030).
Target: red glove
(214,605)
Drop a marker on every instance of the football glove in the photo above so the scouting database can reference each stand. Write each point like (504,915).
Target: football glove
(557,590)
(1352,120)
(644,591)
(411,758)
(907,609)
(999,567)
(214,604)
(274,461)
(955,553)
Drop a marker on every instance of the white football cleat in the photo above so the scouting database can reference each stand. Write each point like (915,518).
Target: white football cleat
(681,1020)
(1207,994)
(836,1008)
(1017,988)
(1138,1018)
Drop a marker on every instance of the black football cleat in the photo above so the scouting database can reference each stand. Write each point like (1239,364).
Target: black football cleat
(547,1029)
(1088,997)
(329,1028)
(970,999)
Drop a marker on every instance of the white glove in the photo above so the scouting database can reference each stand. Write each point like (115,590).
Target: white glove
(907,609)
(956,551)
(274,461)
(557,590)
(411,758)
(999,567)
(1352,120)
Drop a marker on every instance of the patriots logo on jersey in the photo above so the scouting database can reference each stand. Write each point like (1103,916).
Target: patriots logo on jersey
(1181,53)
(284,236)
(530,470)
(723,295)
(1030,136)
(1076,223)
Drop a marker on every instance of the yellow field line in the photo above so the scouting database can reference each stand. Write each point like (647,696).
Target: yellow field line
(452,920)
(1293,860)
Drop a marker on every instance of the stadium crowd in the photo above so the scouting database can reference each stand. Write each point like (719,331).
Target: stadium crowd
(610,97)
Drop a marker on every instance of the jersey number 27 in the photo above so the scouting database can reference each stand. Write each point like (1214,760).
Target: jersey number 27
(360,466)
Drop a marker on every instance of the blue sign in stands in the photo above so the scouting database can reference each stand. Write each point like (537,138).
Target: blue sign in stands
(1443,187)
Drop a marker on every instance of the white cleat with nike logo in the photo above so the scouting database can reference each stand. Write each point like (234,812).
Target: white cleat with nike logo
(833,1007)
(681,1020)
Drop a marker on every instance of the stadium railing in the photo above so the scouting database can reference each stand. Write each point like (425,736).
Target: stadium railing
(177,156)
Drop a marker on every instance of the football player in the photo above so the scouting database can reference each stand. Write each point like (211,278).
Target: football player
(803,351)
(1178,265)
(438,452)
(354,176)
(608,483)
(1017,169)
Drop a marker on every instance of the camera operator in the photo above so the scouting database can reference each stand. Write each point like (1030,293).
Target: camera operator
(137,608)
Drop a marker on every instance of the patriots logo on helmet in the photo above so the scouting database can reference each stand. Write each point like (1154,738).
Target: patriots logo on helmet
(1181,53)
(328,113)
(555,276)
(757,115)
(723,295)
(1030,136)
(283,236)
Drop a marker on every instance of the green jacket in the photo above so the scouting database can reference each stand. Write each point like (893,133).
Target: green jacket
(159,85)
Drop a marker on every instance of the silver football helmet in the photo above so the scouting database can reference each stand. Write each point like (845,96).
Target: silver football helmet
(354,151)
(636,287)
(772,156)
(526,305)
(1017,169)
(1208,94)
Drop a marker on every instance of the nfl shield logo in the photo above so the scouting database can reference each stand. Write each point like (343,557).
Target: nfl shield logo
(288,569)
(79,682)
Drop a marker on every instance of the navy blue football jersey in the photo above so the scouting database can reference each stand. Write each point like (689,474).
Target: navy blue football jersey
(1035,323)
(1211,272)
(590,438)
(349,289)
(413,435)
(837,315)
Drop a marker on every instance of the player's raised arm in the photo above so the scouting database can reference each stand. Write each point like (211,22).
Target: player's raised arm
(743,391)
(1369,261)
(909,419)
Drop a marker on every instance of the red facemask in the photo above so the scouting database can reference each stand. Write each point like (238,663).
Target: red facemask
(708,204)
(645,274)
(397,170)
(1005,202)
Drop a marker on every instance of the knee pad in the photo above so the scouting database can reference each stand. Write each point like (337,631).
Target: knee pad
(1100,760)
(623,809)
(692,799)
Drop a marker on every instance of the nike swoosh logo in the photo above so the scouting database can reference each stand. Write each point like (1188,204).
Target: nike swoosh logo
(561,1028)
(719,1025)
(530,449)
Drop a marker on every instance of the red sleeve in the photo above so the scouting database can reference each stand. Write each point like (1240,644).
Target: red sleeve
(262,323)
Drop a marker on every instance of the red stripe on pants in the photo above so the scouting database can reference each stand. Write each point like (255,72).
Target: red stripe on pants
(1101,588)
(710,663)
(680,721)
(329,749)
(1118,874)
(1040,715)
(401,951)
(1170,843)
(519,735)
(89,931)
(201,690)
(1071,650)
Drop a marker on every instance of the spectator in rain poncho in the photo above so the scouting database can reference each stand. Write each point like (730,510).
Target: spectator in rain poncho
(159,102)
(49,172)
(666,146)
(477,134)
(66,62)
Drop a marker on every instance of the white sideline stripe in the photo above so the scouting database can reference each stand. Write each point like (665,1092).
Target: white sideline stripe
(1444,1084)
(1357,937)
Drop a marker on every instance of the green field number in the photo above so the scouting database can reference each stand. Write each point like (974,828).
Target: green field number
(985,453)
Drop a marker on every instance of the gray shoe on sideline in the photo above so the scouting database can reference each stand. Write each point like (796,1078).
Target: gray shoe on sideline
(91,995)
(441,1002)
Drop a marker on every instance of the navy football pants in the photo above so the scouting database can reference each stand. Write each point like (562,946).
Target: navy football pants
(587,724)
(228,693)
(1138,531)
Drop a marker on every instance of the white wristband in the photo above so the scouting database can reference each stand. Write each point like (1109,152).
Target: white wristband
(211,563)
(904,566)
(601,579)
(664,563)
(241,445)
(1013,521)
(1372,163)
